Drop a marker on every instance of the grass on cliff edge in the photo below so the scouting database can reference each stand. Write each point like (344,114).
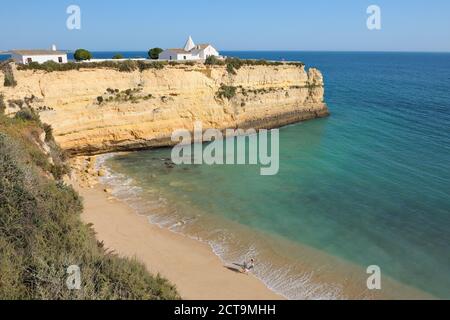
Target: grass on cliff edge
(41,233)
(232,65)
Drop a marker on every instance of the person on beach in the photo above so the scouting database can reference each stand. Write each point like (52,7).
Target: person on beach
(248,266)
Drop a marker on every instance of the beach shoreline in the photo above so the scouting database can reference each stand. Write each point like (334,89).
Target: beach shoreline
(191,265)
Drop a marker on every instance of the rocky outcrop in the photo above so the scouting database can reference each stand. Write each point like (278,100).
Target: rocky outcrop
(101,110)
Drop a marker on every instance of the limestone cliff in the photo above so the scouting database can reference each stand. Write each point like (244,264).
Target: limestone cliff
(101,110)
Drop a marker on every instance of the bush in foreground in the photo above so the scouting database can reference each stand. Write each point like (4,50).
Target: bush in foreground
(42,234)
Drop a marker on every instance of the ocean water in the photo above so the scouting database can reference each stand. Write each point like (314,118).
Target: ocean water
(367,186)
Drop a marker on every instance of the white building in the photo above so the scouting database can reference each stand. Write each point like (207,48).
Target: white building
(40,56)
(191,51)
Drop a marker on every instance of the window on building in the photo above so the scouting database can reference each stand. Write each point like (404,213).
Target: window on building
(60,59)
(184,57)
(29,60)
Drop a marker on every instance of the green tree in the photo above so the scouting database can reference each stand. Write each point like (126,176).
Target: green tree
(118,56)
(154,53)
(82,54)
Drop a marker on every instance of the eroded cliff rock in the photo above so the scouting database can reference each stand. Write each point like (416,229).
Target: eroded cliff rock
(102,110)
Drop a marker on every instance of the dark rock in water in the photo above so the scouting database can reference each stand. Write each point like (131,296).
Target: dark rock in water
(169,164)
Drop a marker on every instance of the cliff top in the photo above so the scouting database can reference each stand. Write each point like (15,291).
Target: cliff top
(231,64)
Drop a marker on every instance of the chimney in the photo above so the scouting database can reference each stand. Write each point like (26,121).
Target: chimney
(54,47)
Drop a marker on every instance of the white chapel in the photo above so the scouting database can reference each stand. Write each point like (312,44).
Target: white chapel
(191,51)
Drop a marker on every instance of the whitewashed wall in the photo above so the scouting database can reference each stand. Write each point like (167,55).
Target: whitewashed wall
(195,55)
(209,51)
(166,54)
(187,55)
(39,59)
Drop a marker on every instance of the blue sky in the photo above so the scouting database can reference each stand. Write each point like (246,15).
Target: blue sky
(414,25)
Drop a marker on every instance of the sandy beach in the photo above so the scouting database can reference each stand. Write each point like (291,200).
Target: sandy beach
(191,265)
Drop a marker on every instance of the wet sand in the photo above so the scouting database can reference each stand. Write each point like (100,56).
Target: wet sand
(191,265)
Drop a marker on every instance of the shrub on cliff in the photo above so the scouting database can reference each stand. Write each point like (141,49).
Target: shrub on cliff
(233,64)
(154,53)
(9,80)
(42,234)
(31,127)
(158,65)
(214,61)
(82,55)
(2,104)
(27,114)
(127,66)
(117,56)
(227,92)
(50,66)
(122,66)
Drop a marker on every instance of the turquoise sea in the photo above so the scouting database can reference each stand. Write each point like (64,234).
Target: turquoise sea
(370,185)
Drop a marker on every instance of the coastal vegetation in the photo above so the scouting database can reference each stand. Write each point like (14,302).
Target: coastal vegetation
(131,95)
(41,231)
(234,64)
(82,55)
(227,92)
(154,53)
(127,66)
(117,56)
(2,104)
(182,63)
(122,66)
(9,80)
(213,60)
(28,102)
(141,65)
(231,64)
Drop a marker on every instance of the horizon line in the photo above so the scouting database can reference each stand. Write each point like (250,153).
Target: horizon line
(5,52)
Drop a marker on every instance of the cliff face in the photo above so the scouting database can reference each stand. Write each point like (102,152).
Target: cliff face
(101,110)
